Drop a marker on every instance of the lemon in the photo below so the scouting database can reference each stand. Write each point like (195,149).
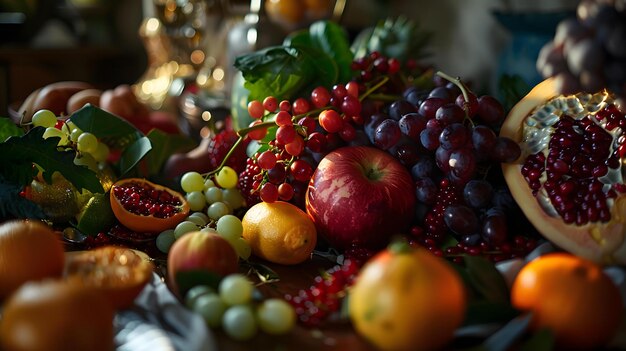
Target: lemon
(279,232)
(96,215)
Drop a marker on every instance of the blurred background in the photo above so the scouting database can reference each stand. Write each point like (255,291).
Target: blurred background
(159,45)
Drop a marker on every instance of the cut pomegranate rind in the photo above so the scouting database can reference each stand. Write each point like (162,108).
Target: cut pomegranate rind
(148,213)
(531,123)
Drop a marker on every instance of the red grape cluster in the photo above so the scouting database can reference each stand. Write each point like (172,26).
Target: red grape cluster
(588,51)
(324,298)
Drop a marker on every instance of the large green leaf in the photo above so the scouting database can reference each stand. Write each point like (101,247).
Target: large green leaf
(115,131)
(133,154)
(285,72)
(398,37)
(19,153)
(333,40)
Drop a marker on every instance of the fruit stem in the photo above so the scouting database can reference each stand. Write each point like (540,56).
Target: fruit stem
(374,88)
(230,151)
(459,83)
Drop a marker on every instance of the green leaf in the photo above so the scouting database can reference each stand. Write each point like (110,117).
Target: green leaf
(333,40)
(8,129)
(298,38)
(163,146)
(114,131)
(486,312)
(12,205)
(542,340)
(507,336)
(19,153)
(395,37)
(285,72)
(133,154)
(486,279)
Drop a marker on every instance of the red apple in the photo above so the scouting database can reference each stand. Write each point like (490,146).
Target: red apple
(360,196)
(199,257)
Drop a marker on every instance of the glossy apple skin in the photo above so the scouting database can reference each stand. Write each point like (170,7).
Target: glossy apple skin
(200,251)
(360,196)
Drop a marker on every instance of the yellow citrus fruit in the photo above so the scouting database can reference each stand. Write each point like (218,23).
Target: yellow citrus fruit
(29,250)
(279,232)
(56,315)
(572,297)
(407,299)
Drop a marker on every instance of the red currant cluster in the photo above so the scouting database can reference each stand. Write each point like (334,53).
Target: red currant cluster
(304,131)
(322,299)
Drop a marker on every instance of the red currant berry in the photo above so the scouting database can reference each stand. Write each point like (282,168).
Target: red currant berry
(270,103)
(283,118)
(295,147)
(285,191)
(256,109)
(285,134)
(350,106)
(339,91)
(331,121)
(284,105)
(257,134)
(320,97)
(300,106)
(266,160)
(352,88)
(394,65)
(301,170)
(348,133)
(269,192)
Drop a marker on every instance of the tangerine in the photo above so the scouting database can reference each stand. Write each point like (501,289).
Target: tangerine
(572,297)
(279,232)
(29,250)
(146,207)
(120,273)
(56,315)
(407,299)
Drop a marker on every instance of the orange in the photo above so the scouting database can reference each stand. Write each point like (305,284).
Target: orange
(407,299)
(56,315)
(120,273)
(288,13)
(146,207)
(29,250)
(572,297)
(279,232)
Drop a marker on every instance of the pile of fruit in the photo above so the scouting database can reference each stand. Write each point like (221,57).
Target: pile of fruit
(415,184)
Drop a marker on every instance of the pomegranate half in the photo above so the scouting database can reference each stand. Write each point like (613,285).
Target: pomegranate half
(570,179)
(146,207)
